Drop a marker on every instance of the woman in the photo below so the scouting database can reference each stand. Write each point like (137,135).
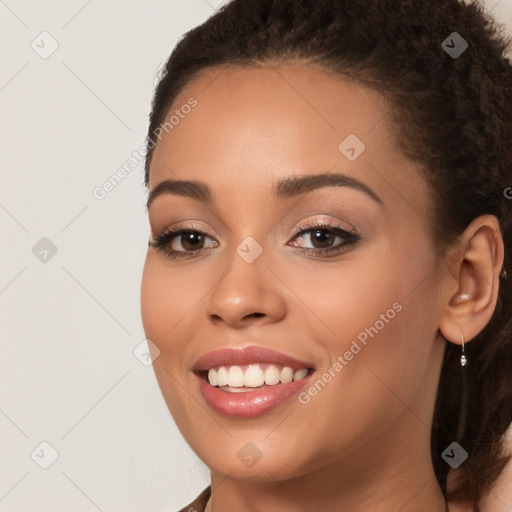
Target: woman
(329,202)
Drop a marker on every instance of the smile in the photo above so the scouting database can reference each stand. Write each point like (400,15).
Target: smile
(236,378)
(249,382)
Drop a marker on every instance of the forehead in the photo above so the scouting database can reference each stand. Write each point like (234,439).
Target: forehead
(272,114)
(251,127)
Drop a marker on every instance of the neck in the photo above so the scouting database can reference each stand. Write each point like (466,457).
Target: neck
(401,479)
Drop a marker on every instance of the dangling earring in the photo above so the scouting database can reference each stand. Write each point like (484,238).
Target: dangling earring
(463,359)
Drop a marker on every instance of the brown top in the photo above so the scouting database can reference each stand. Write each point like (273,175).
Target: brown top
(199,504)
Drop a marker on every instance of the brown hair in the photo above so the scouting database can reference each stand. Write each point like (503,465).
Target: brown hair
(453,115)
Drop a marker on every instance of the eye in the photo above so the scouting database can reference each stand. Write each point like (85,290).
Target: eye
(323,236)
(189,241)
(185,241)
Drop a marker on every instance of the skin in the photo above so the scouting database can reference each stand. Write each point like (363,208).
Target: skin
(362,443)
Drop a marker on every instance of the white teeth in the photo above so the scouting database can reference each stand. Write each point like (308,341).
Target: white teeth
(286,375)
(235,377)
(212,377)
(254,376)
(300,374)
(222,376)
(272,375)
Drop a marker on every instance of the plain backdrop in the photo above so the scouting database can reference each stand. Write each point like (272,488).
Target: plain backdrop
(83,425)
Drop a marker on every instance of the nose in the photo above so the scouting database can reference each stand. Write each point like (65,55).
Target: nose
(246,294)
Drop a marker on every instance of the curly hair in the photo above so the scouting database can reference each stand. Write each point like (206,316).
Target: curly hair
(451,114)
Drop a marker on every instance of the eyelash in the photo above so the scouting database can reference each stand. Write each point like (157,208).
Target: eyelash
(162,240)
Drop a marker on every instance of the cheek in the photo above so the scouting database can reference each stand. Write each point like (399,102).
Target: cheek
(165,302)
(169,297)
(156,303)
(371,313)
(341,299)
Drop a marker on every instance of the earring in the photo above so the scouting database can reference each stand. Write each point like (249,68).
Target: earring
(464,296)
(463,359)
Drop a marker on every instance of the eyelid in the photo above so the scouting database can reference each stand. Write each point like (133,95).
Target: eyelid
(350,235)
(184,226)
(305,225)
(324,223)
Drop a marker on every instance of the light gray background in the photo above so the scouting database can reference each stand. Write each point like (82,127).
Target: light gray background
(69,325)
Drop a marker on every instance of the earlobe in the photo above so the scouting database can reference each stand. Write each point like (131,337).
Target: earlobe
(475,269)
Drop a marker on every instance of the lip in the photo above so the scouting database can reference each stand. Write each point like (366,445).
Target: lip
(247,355)
(248,404)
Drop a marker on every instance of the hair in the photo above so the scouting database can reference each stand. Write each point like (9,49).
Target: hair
(450,115)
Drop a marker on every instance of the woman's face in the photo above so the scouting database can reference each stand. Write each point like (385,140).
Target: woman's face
(358,311)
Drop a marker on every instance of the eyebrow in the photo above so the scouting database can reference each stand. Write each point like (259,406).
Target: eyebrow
(288,187)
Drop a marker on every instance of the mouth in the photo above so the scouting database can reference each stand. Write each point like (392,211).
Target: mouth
(249,382)
(239,378)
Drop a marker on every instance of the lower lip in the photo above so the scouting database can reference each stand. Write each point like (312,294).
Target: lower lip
(248,404)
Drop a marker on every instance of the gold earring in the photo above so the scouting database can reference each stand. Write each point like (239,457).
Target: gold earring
(463,358)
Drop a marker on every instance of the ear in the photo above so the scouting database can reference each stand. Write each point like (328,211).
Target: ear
(471,283)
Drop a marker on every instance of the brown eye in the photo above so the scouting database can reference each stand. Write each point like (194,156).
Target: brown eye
(322,238)
(181,242)
(190,241)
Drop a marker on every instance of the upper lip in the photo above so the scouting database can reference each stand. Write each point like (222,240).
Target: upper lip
(247,355)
